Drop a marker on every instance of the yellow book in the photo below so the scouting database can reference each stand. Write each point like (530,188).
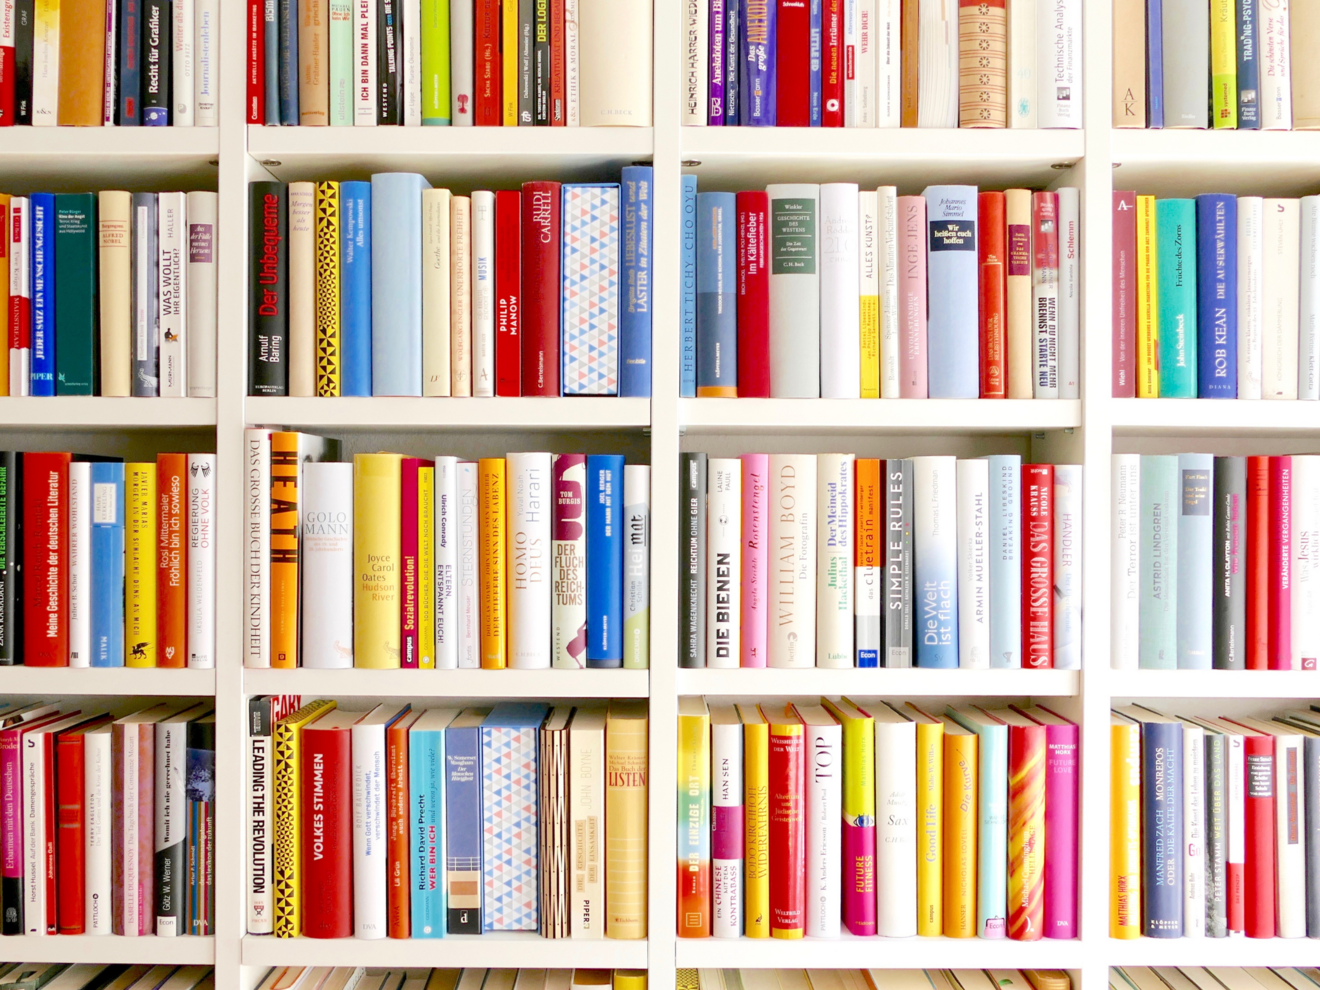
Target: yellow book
(140,565)
(288,816)
(426,566)
(630,979)
(625,820)
(756,822)
(1124,827)
(327,289)
(930,821)
(960,815)
(858,813)
(510,54)
(870,313)
(694,907)
(1019,329)
(869,244)
(1148,335)
(1223,64)
(491,561)
(376,537)
(686,979)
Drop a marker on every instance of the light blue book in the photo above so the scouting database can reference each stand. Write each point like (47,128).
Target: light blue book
(355,288)
(952,337)
(717,294)
(935,549)
(1158,608)
(107,564)
(992,819)
(1005,560)
(1196,481)
(426,783)
(342,93)
(688,329)
(1175,236)
(638,204)
(396,283)
(43,293)
(270,9)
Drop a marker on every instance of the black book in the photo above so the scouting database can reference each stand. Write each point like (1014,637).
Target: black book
(389,55)
(692,561)
(11,611)
(898,565)
(527,15)
(268,320)
(24,25)
(1229,599)
(156,73)
(541,62)
(1216,834)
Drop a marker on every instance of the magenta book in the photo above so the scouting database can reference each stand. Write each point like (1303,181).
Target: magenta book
(755,493)
(912,296)
(1061,788)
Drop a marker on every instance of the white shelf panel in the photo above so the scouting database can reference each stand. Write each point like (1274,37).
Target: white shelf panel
(888,682)
(411,413)
(121,681)
(1235,951)
(504,949)
(850,952)
(871,416)
(1175,161)
(76,159)
(1207,417)
(449,683)
(108,949)
(1297,685)
(66,412)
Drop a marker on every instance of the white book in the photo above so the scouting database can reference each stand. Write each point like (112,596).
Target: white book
(835,493)
(1305,576)
(172,274)
(973,476)
(530,504)
(1272,46)
(1070,290)
(435,292)
(171,826)
(183,28)
(840,354)
(1279,285)
(726,798)
(1250,311)
(370,825)
(868,288)
(46,66)
(1125,558)
(851,58)
(792,585)
(1308,301)
(861,106)
(460,295)
(1059,52)
(696,64)
(888,59)
(895,822)
(206,73)
(462,91)
(469,610)
(723,562)
(795,295)
(483,293)
(1236,802)
(823,745)
(935,557)
(890,348)
(1193,830)
(200,210)
(20,284)
(201,560)
(446,562)
(256,546)
(80,564)
(327,564)
(572,64)
(302,289)
(637,565)
(411,77)
(937,79)
(98,784)
(364,61)
(110,66)
(1067,567)
(586,783)
(569,605)
(1022,86)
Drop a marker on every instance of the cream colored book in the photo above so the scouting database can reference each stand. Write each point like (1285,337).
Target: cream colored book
(483,293)
(436,375)
(460,296)
(1279,285)
(614,63)
(586,802)
(1017,214)
(114,210)
(302,288)
(792,598)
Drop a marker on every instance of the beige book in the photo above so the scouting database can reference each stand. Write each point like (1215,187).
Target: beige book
(983,66)
(1304,40)
(436,208)
(1017,214)
(314,65)
(302,288)
(553,829)
(614,63)
(625,820)
(460,296)
(586,802)
(1129,63)
(114,230)
(1279,286)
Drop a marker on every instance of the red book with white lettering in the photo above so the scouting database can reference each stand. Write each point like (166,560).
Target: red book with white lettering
(256,67)
(398,892)
(1280,563)
(540,288)
(46,559)
(793,63)
(788,836)
(1258,563)
(832,66)
(1038,565)
(753,295)
(486,67)
(1125,295)
(327,834)
(508,292)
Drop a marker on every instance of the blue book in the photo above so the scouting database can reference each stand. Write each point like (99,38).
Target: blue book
(355,288)
(510,816)
(1005,560)
(935,550)
(43,293)
(1216,293)
(1196,473)
(605,560)
(717,294)
(1175,235)
(396,283)
(1161,822)
(637,203)
(463,846)
(107,564)
(814,80)
(128,19)
(426,785)
(688,246)
(288,17)
(1157,609)
(756,69)
(952,334)
(731,46)
(1248,65)
(992,818)
(272,12)
(1155,63)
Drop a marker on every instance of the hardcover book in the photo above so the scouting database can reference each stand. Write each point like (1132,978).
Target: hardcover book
(509,775)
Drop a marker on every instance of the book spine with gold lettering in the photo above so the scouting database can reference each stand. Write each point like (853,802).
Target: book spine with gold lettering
(756,822)
(1124,828)
(327,289)
(140,565)
(171,560)
(284,550)
(960,814)
(494,614)
(930,828)
(376,551)
(625,820)
(288,816)
(788,841)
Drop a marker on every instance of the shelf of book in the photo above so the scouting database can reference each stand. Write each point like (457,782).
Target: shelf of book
(64,412)
(886,682)
(494,949)
(1210,417)
(1235,951)
(185,950)
(851,952)
(1301,685)
(448,683)
(134,682)
(869,416)
(412,413)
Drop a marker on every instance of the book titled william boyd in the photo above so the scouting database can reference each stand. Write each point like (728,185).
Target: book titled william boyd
(590,327)
(509,816)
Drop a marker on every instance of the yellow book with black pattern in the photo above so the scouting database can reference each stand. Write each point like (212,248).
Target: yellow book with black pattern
(327,289)
(140,565)
(288,816)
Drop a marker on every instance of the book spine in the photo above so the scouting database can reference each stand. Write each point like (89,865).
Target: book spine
(463,847)
(1067,567)
(990,258)
(171,560)
(1155,63)
(912,315)
(569,603)
(483,293)
(1280,563)
(899,605)
(285,470)
(20,302)
(355,288)
(10,574)
(695,834)
(716,74)
(183,62)
(364,63)
(398,894)
(795,243)
(396,275)
(983,65)
(1311,787)
(426,593)
(757,56)
(156,69)
(115,260)
(201,211)
(1194,570)
(756,818)
(529,566)
(692,560)
(1162,829)
(201,560)
(46,553)
(97,783)
(1038,531)
(1061,807)
(833,69)
(509,817)
(753,302)
(637,566)
(1259,548)
(287,766)
(370,853)
(1290,861)
(1308,315)
(329,347)
(590,288)
(1045,292)
(1175,221)
(727,830)
(723,562)
(1275,93)
(1005,561)
(754,616)
(1228,547)
(688,287)
(868,276)
(145,788)
(70,851)
(256,61)
(80,564)
(42,228)
(376,546)
(604,560)
(696,64)
(408,572)
(868,574)
(437,374)
(586,796)
(824,830)
(492,76)
(469,611)
(33,835)
(1250,299)
(973,523)
(896,828)
(1020,333)
(1216,836)
(256,465)
(493,563)
(1223,64)
(446,563)
(11,809)
(625,825)
(508,285)
(793,533)
(1023,68)
(1026,831)
(959,851)
(269,319)
(341,64)
(74,346)
(1235,787)
(935,567)
(1259,812)
(1305,575)
(389,61)
(1124,302)
(171,834)
(717,320)
(1279,296)
(146,295)
(201,828)
(426,775)
(835,593)
(258,798)
(1125,846)
(555,69)
(635,314)
(787,830)
(1216,263)
(840,328)
(930,824)
(541,284)
(815,48)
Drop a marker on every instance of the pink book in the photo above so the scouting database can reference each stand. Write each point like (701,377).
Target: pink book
(1061,788)
(912,296)
(133,824)
(755,474)
(1280,615)
(11,813)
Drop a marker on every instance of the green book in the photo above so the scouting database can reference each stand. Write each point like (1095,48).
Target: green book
(341,63)
(1175,235)
(1161,490)
(75,294)
(435,63)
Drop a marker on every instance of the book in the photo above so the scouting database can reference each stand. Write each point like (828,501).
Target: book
(553,812)
(604,593)
(1061,810)
(868,572)
(398,892)
(493,563)
(992,297)
(952,320)
(930,820)
(756,820)
(171,823)
(73,229)
(328,344)
(935,570)
(569,604)
(688,287)
(590,268)
(972,481)
(586,782)
(1124,302)
(355,288)
(508,288)
(460,295)
(717,318)
(636,183)
(1228,549)
(835,494)
(723,562)
(42,227)
(263,713)
(992,804)
(793,533)
(1148,326)
(794,279)
(268,368)
(899,603)
(371,827)
(509,816)
(1045,293)
(541,287)
(426,769)
(1067,567)
(637,566)
(869,251)
(840,367)
(483,293)
(1176,236)
(896,821)
(695,831)
(1027,757)
(1194,569)
(1038,533)
(1280,563)
(625,820)
(396,298)
(529,564)
(726,835)
(1162,825)
(1125,873)
(463,829)
(376,547)
(80,538)
(287,877)
(1217,305)
(960,821)
(753,291)
(823,739)
(328,797)
(1279,298)
(787,829)
(327,564)
(201,211)
(692,571)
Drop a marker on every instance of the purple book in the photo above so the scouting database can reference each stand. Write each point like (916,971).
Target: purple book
(756,70)
(717,53)
(732,10)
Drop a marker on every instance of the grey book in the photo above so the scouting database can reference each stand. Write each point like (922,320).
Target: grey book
(692,561)
(1308,723)
(898,564)
(1229,595)
(1195,574)
(146,297)
(526,56)
(794,241)
(1216,835)
(1186,31)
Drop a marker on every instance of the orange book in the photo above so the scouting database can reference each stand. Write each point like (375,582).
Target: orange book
(284,550)
(171,560)
(396,803)
(81,85)
(490,496)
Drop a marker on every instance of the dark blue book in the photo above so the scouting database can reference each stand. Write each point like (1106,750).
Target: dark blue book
(756,63)
(605,560)
(814,76)
(731,18)
(688,247)
(157,47)
(1155,63)
(635,190)
(1161,823)
(464,877)
(288,16)
(1216,292)
(717,295)
(107,565)
(355,288)
(129,22)
(1248,65)
(43,293)
(272,13)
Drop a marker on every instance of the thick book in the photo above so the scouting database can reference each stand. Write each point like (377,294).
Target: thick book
(1194,568)
(823,739)
(171,825)
(396,292)
(951,332)
(858,805)
(972,477)
(626,775)
(529,545)
(288,820)
(492,563)
(1228,550)
(835,494)
(787,789)
(1162,822)
(993,294)
(355,288)
(1045,293)
(510,816)
(795,242)
(958,851)
(935,576)
(930,820)
(157,54)
(328,342)
(756,815)
(1027,828)
(46,552)
(262,714)
(508,289)
(1124,299)
(899,599)
(840,327)
(200,792)
(896,821)
(42,229)
(1217,306)
(717,317)
(426,783)
(1005,560)
(791,52)
(140,565)
(568,611)
(1067,567)
(75,294)
(604,560)
(982,64)
(687,351)
(1175,221)
(870,253)
(376,551)
(757,100)
(753,294)
(541,288)
(1258,548)
(793,534)
(992,818)
(1062,781)
(586,801)
(723,562)
(589,327)
(694,815)
(397,821)
(326,497)
(268,368)
(1038,534)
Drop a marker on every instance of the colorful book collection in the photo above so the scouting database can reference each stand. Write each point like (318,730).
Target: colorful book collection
(872,979)
(805,290)
(109,293)
(361,978)
(529,561)
(962,825)
(856,539)
(449,62)
(108,825)
(92,976)
(1210,819)
(1216,297)
(391,287)
(368,805)
(1214,562)
(107,564)
(1213,978)
(882,63)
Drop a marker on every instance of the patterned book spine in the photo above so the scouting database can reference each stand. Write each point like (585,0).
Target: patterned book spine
(288,818)
(982,63)
(694,833)
(569,577)
(1026,831)
(328,382)
(590,320)
(723,561)
(201,827)
(757,99)
(1038,565)
(494,626)
(509,817)
(787,829)
(727,827)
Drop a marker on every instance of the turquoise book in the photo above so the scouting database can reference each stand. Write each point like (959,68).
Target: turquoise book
(1195,567)
(396,283)
(991,818)
(1175,234)
(1158,606)
(426,784)
(342,94)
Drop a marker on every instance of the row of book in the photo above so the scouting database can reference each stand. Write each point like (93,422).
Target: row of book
(805,290)
(391,287)
(373,978)
(1223,64)
(882,63)
(93,976)
(449,62)
(925,561)
(530,561)
(108,824)
(107,564)
(109,293)
(154,63)
(416,824)
(1215,562)
(1210,823)
(872,979)
(962,825)
(1216,297)
(1213,978)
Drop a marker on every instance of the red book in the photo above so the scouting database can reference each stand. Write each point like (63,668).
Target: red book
(71,831)
(397,890)
(508,291)
(486,74)
(7,83)
(1280,563)
(409,585)
(256,72)
(327,835)
(793,63)
(46,559)
(558,79)
(1038,565)
(1124,368)
(171,560)
(1258,563)
(832,67)
(540,288)
(788,837)
(992,247)
(753,295)
(1260,835)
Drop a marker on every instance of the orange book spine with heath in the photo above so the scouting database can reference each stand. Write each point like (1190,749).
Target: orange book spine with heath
(494,616)
(171,561)
(284,550)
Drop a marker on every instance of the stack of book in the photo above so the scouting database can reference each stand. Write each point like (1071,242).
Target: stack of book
(107,564)
(512,800)
(532,561)
(1213,978)
(977,836)
(360,978)
(1216,297)
(882,63)
(1214,562)
(449,62)
(108,825)
(873,979)
(91,976)
(1210,819)
(109,293)
(879,563)
(390,287)
(805,290)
